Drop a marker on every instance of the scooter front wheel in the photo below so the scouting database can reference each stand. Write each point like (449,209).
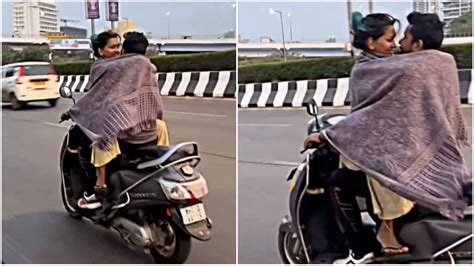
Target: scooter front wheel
(290,248)
(70,210)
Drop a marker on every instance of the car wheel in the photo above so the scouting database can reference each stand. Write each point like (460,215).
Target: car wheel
(16,104)
(53,102)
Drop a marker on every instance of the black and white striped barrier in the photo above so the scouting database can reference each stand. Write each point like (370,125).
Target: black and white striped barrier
(198,84)
(326,92)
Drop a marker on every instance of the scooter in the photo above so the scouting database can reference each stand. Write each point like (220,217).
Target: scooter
(155,203)
(310,233)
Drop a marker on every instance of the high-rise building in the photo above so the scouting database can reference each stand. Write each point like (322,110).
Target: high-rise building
(34,18)
(126,25)
(454,9)
(427,6)
(73,32)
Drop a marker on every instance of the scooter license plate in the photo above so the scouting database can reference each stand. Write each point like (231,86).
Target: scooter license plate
(192,214)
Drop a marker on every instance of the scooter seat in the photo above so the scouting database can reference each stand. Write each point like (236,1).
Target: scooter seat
(429,235)
(161,155)
(152,151)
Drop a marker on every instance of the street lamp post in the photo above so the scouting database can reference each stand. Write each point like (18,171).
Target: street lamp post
(371,6)
(349,18)
(168,15)
(234,5)
(93,26)
(291,29)
(272,12)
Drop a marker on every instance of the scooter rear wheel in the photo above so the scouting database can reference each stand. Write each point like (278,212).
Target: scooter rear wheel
(177,251)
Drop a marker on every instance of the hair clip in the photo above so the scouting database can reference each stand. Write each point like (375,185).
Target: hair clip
(357,24)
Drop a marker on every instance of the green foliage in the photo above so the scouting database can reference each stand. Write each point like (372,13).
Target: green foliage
(317,68)
(461,26)
(75,68)
(252,61)
(195,62)
(9,55)
(166,63)
(32,53)
(462,53)
(320,68)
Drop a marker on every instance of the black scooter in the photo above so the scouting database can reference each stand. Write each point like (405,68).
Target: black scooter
(310,233)
(154,203)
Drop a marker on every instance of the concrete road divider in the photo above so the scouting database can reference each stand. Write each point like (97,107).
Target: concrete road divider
(196,84)
(326,92)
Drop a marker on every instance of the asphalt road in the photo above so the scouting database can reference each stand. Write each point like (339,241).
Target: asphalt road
(36,229)
(269,145)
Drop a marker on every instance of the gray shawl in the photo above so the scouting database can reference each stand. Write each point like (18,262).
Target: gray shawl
(123,101)
(406,128)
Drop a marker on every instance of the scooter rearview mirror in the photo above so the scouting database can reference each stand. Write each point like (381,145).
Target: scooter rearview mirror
(312,107)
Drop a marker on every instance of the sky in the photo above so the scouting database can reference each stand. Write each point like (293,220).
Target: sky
(310,21)
(198,19)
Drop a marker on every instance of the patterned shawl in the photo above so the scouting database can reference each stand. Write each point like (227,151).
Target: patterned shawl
(123,101)
(406,128)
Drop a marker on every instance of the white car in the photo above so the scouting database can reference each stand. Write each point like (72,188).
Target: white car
(29,82)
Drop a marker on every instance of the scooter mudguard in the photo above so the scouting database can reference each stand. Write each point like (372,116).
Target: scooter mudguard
(286,225)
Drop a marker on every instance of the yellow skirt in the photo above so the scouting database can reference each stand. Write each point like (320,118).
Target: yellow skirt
(100,158)
(387,204)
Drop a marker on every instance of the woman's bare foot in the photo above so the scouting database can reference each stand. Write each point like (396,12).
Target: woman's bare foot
(388,240)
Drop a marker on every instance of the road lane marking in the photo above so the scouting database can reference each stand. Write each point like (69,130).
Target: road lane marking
(12,245)
(56,125)
(265,125)
(196,114)
(276,163)
(286,163)
(218,155)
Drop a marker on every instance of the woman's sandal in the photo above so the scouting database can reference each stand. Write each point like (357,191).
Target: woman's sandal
(391,251)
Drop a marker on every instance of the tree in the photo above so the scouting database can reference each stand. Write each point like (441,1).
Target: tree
(9,55)
(35,53)
(461,26)
(31,53)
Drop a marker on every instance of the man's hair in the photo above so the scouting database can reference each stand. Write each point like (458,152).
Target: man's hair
(134,42)
(426,27)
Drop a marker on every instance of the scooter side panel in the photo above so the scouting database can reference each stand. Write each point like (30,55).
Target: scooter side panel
(321,232)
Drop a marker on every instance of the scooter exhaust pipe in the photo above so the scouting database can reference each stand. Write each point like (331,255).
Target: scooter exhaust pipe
(135,234)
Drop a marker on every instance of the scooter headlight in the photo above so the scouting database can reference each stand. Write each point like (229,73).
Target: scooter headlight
(196,189)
